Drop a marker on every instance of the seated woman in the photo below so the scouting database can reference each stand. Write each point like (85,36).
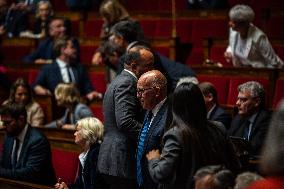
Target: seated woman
(88,135)
(190,142)
(248,45)
(21,92)
(68,96)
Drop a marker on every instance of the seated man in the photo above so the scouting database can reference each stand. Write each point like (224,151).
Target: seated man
(253,119)
(64,70)
(26,152)
(214,111)
(44,53)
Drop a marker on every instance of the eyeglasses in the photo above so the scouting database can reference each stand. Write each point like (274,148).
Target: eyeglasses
(141,91)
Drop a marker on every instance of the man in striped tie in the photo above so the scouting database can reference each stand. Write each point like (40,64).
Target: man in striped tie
(152,93)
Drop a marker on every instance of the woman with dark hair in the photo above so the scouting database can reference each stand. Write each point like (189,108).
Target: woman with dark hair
(190,142)
(21,93)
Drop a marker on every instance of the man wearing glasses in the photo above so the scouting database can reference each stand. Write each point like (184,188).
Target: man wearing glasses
(152,93)
(26,154)
(123,116)
(252,120)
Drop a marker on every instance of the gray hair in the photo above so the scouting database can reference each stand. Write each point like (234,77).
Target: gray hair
(241,13)
(92,130)
(188,79)
(254,87)
(243,180)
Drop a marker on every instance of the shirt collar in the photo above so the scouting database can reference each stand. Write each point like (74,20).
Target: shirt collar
(157,107)
(131,73)
(61,63)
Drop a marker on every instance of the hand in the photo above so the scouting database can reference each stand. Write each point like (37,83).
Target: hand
(153,154)
(68,127)
(97,58)
(94,94)
(61,185)
(228,56)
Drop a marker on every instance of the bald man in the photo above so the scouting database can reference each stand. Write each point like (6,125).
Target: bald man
(123,118)
(152,93)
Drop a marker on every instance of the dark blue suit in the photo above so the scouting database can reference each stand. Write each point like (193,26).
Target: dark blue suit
(45,51)
(221,115)
(34,164)
(89,172)
(50,76)
(258,133)
(153,141)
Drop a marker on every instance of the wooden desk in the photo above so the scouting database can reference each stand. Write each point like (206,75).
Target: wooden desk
(13,184)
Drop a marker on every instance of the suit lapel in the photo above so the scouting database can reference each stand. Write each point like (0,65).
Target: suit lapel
(24,147)
(58,72)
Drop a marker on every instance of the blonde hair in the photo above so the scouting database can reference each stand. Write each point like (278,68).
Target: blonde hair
(67,93)
(113,10)
(92,130)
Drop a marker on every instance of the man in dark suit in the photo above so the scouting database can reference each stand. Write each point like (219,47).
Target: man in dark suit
(152,93)
(26,152)
(44,54)
(214,111)
(123,117)
(64,70)
(253,119)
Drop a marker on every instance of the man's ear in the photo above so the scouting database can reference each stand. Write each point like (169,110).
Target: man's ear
(210,97)
(257,102)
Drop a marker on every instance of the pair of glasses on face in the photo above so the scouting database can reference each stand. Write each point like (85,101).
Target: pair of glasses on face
(141,91)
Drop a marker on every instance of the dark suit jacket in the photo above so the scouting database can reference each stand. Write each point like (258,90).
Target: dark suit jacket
(122,115)
(221,115)
(258,133)
(92,179)
(50,76)
(172,70)
(180,158)
(153,141)
(34,164)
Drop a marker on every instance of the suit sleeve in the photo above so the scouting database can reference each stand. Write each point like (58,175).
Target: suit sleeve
(163,170)
(38,153)
(126,110)
(35,55)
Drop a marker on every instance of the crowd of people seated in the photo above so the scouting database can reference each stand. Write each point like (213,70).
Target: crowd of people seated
(162,129)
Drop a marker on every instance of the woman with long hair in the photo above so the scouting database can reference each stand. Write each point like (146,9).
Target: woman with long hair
(191,142)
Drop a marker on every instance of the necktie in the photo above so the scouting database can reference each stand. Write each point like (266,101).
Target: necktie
(140,148)
(69,70)
(247,130)
(15,152)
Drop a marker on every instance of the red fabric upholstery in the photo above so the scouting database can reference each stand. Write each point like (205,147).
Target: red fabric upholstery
(15,53)
(92,28)
(98,80)
(163,50)
(87,53)
(14,74)
(149,27)
(33,75)
(279,92)
(204,28)
(235,82)
(97,111)
(164,28)
(65,164)
(221,84)
(273,29)
(184,30)
(196,56)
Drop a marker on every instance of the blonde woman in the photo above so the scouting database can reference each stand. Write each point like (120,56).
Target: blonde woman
(88,135)
(68,96)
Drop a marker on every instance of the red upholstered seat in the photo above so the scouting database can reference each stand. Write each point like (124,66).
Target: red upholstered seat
(164,28)
(196,56)
(221,84)
(92,28)
(205,28)
(65,164)
(279,92)
(149,27)
(273,27)
(32,75)
(163,50)
(98,80)
(235,82)
(14,74)
(87,52)
(97,110)
(184,27)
